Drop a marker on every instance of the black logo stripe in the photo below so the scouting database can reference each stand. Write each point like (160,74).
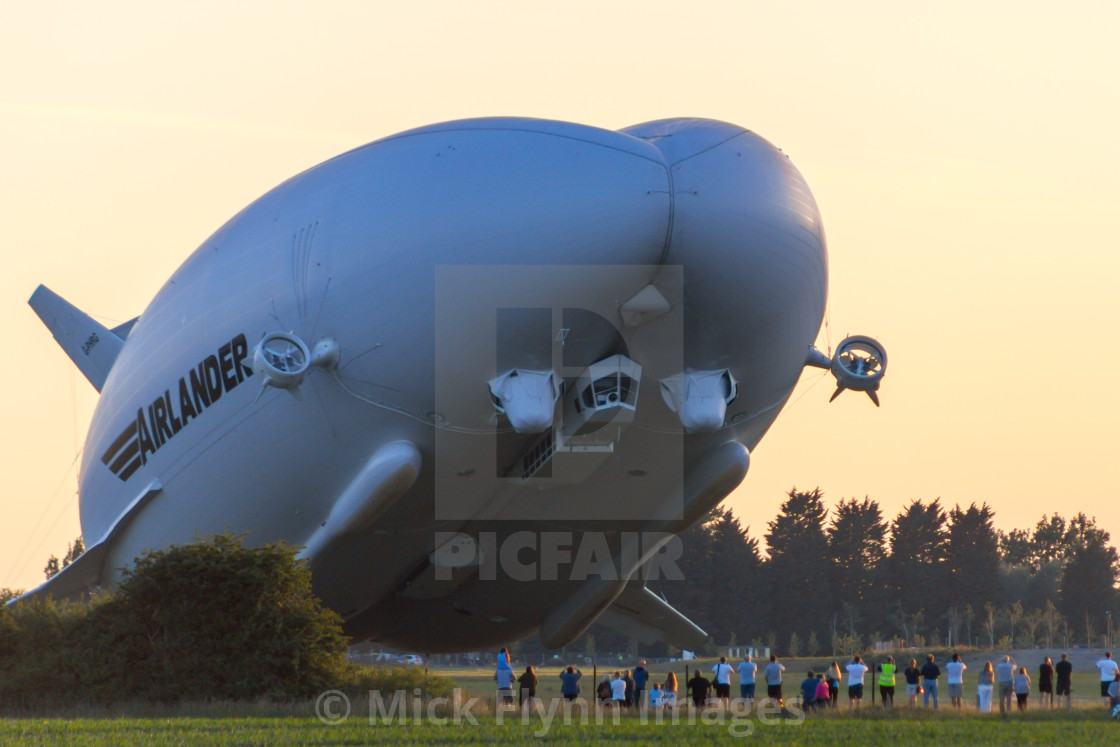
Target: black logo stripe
(126,456)
(122,439)
(130,469)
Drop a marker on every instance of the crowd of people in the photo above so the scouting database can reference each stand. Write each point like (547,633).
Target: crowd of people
(638,688)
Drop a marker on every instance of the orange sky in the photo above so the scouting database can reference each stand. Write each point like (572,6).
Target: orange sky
(964,157)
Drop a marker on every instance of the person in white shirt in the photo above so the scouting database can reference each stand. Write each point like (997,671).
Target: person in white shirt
(856,670)
(722,671)
(954,674)
(1107,667)
(747,671)
(618,690)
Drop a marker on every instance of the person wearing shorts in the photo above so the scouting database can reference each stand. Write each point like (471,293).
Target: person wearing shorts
(722,671)
(774,678)
(913,677)
(1005,674)
(747,671)
(1108,669)
(1046,683)
(1064,671)
(856,670)
(954,679)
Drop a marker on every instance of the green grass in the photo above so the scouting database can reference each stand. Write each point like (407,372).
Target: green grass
(864,730)
(264,723)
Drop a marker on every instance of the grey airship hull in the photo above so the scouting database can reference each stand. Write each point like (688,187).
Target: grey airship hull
(428,264)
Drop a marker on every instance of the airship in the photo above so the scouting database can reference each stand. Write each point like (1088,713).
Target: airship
(483,373)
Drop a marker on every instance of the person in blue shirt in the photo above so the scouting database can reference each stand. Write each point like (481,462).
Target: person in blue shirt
(569,683)
(809,690)
(747,671)
(641,676)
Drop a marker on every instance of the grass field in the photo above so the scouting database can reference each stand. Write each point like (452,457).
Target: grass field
(297,724)
(841,729)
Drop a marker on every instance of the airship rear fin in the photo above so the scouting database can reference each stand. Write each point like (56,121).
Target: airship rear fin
(83,576)
(642,614)
(91,346)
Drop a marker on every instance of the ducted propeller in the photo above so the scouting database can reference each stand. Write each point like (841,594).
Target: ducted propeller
(285,359)
(859,364)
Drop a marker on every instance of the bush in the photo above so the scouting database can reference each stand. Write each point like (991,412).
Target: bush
(388,680)
(210,620)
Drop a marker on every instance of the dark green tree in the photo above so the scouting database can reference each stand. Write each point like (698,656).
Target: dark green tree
(74,551)
(1089,579)
(917,571)
(797,570)
(737,586)
(1050,540)
(973,557)
(1016,547)
(857,547)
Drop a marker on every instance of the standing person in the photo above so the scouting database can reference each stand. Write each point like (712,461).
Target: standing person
(930,673)
(886,681)
(834,683)
(1064,670)
(1005,674)
(747,671)
(618,690)
(628,678)
(655,696)
(913,677)
(856,670)
(774,679)
(504,676)
(699,687)
(984,686)
(722,671)
(1046,683)
(569,682)
(669,691)
(528,682)
(1022,688)
(809,691)
(640,678)
(954,678)
(1108,668)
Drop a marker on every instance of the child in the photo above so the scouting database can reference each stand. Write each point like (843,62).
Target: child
(824,694)
(655,697)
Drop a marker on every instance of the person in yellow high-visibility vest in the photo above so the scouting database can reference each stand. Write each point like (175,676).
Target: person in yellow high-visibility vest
(886,681)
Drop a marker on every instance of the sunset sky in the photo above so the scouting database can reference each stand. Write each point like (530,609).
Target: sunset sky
(965,157)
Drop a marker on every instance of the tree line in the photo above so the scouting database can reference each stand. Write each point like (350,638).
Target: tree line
(838,581)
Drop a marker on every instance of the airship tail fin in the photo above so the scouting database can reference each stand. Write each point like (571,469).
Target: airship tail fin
(640,613)
(91,346)
(84,575)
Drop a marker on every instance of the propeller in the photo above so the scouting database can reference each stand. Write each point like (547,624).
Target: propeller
(284,360)
(859,364)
